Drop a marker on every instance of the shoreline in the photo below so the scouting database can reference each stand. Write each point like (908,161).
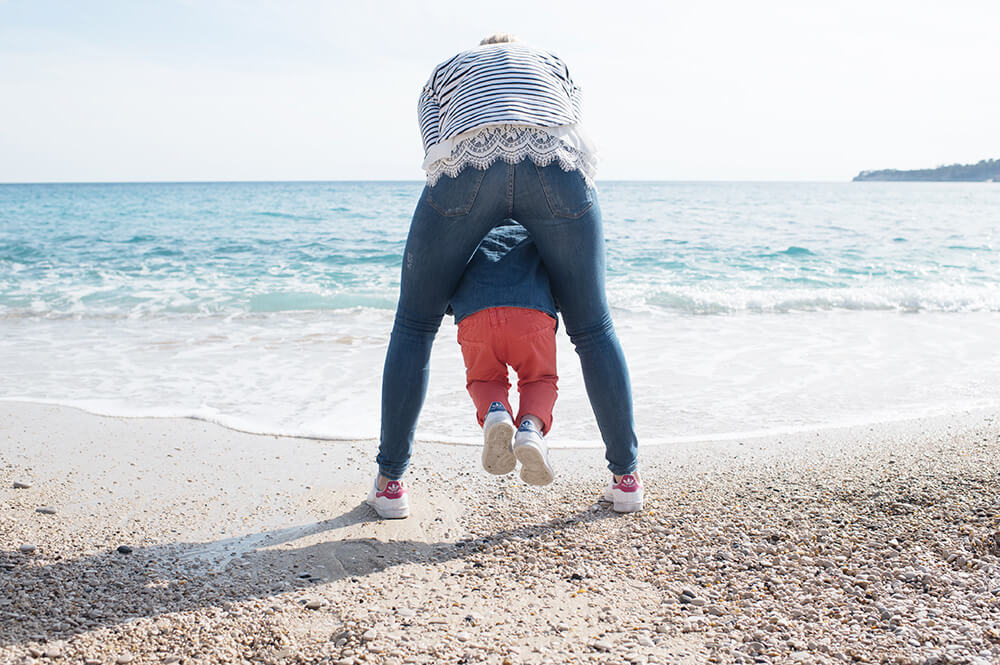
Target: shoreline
(834,428)
(867,543)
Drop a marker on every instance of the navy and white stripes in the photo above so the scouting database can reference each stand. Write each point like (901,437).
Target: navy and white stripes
(510,83)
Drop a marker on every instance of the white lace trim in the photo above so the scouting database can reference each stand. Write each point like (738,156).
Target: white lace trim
(480,148)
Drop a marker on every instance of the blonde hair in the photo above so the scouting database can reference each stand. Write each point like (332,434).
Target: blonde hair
(498,38)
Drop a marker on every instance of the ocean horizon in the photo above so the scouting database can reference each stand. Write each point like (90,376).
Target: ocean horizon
(420,181)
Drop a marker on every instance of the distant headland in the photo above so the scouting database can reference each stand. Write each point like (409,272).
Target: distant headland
(988,170)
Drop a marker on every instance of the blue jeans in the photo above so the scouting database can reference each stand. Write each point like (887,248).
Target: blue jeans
(451,218)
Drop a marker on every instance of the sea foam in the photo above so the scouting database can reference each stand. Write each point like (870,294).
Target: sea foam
(742,307)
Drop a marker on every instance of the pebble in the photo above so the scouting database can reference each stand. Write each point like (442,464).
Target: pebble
(714,610)
(22,485)
(124,659)
(91,661)
(53,653)
(313,604)
(602,645)
(369,635)
(27,548)
(406,613)
(46,510)
(171,659)
(124,549)
(645,641)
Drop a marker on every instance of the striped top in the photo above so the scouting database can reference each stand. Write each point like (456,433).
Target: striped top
(511,83)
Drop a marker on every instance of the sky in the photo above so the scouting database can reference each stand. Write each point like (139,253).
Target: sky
(163,90)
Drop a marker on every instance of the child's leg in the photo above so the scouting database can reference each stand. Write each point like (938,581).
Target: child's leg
(486,381)
(532,353)
(485,373)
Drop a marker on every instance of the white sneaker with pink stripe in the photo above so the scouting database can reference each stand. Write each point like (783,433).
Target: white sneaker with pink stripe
(625,495)
(392,502)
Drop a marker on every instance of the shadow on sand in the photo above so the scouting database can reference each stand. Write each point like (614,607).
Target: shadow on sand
(63,598)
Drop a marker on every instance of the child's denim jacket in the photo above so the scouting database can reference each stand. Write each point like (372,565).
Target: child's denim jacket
(505,271)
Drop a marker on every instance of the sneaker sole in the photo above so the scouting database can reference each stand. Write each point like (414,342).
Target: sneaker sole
(498,458)
(390,513)
(630,507)
(627,504)
(535,470)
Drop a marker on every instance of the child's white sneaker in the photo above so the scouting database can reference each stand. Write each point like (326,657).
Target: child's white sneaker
(498,428)
(392,502)
(625,495)
(533,454)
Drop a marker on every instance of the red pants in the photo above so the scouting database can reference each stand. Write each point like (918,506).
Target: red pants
(525,339)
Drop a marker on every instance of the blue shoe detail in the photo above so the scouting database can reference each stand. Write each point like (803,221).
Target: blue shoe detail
(527,426)
(496,406)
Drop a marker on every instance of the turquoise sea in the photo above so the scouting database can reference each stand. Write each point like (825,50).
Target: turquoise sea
(742,307)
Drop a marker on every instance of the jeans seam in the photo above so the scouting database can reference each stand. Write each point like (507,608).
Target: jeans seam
(510,190)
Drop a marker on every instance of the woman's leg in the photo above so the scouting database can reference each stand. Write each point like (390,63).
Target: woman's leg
(562,214)
(450,220)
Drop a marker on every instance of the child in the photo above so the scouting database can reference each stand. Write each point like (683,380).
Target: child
(506,316)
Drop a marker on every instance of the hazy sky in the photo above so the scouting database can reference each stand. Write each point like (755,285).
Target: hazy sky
(289,89)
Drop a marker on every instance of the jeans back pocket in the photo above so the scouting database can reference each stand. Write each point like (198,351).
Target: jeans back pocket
(566,192)
(453,197)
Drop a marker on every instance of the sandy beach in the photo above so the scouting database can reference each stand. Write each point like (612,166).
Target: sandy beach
(240,242)
(172,540)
